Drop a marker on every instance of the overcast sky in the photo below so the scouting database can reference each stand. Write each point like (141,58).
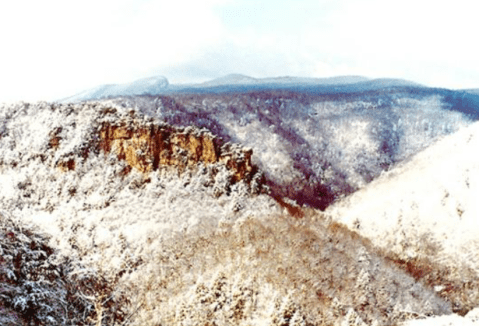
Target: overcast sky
(55,48)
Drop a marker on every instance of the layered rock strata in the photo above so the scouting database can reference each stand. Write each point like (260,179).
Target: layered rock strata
(147,144)
(149,147)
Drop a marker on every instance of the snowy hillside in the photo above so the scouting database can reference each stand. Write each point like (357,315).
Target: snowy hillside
(34,286)
(316,148)
(426,210)
(155,223)
(208,199)
(75,173)
(87,159)
(433,195)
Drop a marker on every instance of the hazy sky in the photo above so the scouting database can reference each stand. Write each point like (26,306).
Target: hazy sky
(55,48)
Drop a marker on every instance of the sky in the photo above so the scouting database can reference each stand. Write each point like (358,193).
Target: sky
(52,49)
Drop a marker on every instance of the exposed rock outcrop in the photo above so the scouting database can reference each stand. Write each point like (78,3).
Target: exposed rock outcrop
(145,144)
(147,147)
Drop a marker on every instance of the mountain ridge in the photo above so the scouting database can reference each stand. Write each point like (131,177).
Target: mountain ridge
(235,79)
(236,82)
(315,148)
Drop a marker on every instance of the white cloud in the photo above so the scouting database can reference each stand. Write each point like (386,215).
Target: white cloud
(55,48)
(424,41)
(408,39)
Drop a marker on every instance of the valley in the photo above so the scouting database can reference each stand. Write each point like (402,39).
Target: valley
(241,201)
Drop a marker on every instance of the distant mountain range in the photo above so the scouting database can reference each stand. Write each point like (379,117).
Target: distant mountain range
(315,147)
(239,83)
(238,79)
(334,135)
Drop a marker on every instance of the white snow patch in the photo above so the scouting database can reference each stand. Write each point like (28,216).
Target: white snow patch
(432,199)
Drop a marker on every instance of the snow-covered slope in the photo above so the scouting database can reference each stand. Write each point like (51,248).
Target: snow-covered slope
(60,160)
(164,224)
(316,148)
(424,215)
(279,271)
(98,178)
(432,198)
(154,197)
(471,319)
(33,289)
(319,143)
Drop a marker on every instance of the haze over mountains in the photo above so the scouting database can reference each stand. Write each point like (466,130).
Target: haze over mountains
(237,79)
(211,195)
(159,85)
(152,85)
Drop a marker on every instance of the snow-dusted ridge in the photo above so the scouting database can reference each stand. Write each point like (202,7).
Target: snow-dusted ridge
(103,149)
(57,176)
(158,85)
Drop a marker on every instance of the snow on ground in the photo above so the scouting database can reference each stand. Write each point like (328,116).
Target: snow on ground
(316,148)
(94,201)
(106,220)
(431,201)
(471,319)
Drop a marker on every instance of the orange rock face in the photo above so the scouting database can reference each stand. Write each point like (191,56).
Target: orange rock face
(148,148)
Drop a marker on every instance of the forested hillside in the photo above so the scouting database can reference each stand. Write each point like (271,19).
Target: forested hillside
(202,208)
(317,148)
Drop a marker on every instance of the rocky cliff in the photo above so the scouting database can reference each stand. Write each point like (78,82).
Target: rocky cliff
(93,158)
(149,147)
